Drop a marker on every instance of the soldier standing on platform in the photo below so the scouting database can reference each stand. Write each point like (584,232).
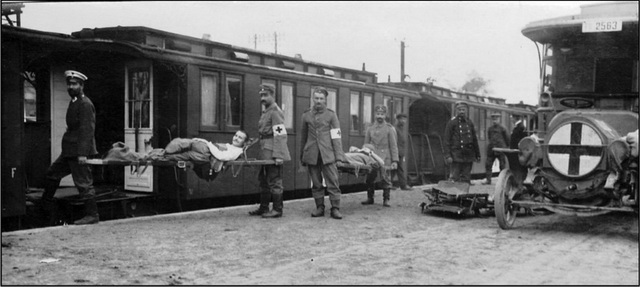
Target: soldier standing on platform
(78,142)
(461,144)
(401,120)
(497,137)
(518,133)
(273,146)
(382,136)
(321,147)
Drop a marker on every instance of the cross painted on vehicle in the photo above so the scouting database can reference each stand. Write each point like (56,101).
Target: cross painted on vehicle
(575,149)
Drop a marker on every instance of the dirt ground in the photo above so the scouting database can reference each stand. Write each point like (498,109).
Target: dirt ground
(371,245)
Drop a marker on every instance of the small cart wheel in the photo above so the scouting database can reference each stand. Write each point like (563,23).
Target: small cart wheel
(506,188)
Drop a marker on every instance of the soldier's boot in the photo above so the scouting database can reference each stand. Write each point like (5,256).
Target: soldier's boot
(277,207)
(488,176)
(49,212)
(319,212)
(335,209)
(369,200)
(386,194)
(91,211)
(265,197)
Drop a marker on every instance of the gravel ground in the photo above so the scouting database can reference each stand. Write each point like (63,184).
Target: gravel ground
(371,245)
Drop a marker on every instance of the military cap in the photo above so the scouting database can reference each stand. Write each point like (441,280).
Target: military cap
(267,89)
(381,108)
(496,114)
(75,74)
(321,90)
(459,103)
(401,116)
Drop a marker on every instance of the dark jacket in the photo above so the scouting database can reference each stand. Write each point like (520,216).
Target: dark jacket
(497,136)
(460,140)
(400,139)
(518,133)
(79,139)
(316,137)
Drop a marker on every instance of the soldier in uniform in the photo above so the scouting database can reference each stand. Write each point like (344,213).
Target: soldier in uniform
(461,144)
(321,147)
(273,146)
(518,133)
(497,137)
(401,120)
(382,136)
(78,143)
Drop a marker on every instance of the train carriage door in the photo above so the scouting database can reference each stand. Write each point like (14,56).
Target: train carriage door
(138,122)
(59,104)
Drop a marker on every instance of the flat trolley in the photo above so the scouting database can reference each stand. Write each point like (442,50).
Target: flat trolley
(455,197)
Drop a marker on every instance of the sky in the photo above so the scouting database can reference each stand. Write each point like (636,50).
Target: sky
(448,41)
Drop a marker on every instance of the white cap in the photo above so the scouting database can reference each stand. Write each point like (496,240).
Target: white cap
(75,74)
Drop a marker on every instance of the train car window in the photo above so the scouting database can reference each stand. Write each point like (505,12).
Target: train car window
(30,99)
(209,100)
(312,70)
(355,113)
(332,100)
(286,103)
(139,101)
(367,110)
(348,76)
(233,101)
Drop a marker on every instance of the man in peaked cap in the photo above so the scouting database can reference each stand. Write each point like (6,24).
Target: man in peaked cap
(273,146)
(498,137)
(78,143)
(382,136)
(461,144)
(321,147)
(401,120)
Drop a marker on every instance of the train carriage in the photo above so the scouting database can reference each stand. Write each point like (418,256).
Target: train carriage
(429,115)
(584,161)
(150,86)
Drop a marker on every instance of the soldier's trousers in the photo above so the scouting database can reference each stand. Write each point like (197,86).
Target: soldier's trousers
(491,157)
(402,177)
(270,177)
(330,173)
(82,179)
(461,171)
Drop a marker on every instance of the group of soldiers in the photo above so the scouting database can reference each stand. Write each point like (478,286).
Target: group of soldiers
(321,149)
(461,143)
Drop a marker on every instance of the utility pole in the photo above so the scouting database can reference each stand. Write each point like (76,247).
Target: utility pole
(402,61)
(275,37)
(255,41)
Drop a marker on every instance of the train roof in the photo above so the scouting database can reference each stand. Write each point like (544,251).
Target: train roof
(544,31)
(129,43)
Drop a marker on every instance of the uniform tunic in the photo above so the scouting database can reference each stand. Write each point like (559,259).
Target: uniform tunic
(320,151)
(460,140)
(383,138)
(518,133)
(77,141)
(273,144)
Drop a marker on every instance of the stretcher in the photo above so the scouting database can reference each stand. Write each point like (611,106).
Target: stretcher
(455,197)
(357,169)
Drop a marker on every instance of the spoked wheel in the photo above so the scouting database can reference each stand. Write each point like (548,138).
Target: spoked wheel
(506,188)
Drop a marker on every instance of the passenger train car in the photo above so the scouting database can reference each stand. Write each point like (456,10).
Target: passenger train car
(583,161)
(428,118)
(150,86)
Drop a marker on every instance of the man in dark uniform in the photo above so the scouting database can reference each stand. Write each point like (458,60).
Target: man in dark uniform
(518,133)
(382,136)
(321,147)
(497,137)
(461,144)
(401,120)
(273,146)
(78,143)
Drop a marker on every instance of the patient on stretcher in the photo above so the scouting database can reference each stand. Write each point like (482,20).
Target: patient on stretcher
(365,156)
(197,149)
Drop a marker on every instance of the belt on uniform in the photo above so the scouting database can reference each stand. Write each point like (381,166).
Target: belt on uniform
(266,136)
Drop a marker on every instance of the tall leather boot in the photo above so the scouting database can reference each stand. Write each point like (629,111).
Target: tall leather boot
(277,207)
(91,211)
(49,212)
(335,209)
(369,200)
(319,212)
(265,198)
(386,195)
